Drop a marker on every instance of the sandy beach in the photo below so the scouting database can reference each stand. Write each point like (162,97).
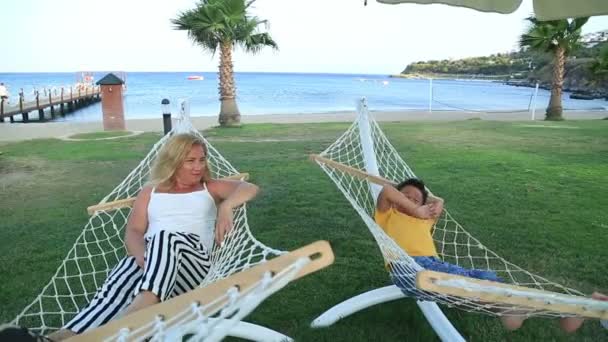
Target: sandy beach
(19,131)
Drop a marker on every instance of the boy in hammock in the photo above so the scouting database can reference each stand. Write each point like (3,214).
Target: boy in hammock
(407,214)
(404,214)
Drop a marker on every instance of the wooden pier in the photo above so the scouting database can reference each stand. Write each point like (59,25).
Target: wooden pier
(65,102)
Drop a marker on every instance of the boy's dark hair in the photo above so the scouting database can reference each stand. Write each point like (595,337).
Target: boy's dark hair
(418,184)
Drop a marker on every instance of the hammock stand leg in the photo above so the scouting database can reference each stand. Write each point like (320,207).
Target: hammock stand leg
(442,326)
(254,332)
(356,304)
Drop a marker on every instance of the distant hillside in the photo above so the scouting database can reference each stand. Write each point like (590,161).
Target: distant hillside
(521,67)
(508,64)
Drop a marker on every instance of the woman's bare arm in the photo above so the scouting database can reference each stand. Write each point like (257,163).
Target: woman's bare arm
(229,194)
(137,226)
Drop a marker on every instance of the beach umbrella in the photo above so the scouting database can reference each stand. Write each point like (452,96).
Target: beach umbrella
(543,9)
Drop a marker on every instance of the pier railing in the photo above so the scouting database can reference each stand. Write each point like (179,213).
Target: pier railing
(72,98)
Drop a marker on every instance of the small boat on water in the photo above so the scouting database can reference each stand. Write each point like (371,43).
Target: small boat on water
(195,78)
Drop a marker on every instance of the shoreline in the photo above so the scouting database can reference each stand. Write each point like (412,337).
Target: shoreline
(10,132)
(453,77)
(584,93)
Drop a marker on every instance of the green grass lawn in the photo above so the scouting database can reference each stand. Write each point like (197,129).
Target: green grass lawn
(536,195)
(100,135)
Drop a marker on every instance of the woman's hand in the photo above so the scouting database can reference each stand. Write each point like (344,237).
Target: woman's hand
(140,261)
(230,194)
(223,223)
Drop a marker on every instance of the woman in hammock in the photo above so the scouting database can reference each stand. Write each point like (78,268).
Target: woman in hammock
(407,214)
(169,235)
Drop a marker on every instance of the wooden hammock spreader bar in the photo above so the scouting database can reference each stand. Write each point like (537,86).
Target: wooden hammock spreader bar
(127,202)
(495,292)
(356,172)
(319,252)
(352,171)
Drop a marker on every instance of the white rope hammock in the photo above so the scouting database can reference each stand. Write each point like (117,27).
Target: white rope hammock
(212,312)
(210,321)
(361,159)
(100,245)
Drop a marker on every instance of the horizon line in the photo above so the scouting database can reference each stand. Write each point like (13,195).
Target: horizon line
(198,71)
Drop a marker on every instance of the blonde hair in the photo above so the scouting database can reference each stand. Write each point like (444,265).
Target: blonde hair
(172,156)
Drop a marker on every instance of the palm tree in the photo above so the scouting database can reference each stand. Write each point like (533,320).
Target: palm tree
(559,37)
(224,25)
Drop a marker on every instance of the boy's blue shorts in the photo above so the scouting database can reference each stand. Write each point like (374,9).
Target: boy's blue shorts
(435,264)
(407,283)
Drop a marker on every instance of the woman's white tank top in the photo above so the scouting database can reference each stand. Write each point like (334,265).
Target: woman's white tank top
(192,212)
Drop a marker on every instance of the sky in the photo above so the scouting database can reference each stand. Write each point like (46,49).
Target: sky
(326,36)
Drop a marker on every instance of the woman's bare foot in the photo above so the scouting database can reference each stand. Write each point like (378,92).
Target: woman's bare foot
(142,300)
(61,334)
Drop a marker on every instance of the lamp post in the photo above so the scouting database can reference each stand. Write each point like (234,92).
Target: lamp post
(166,108)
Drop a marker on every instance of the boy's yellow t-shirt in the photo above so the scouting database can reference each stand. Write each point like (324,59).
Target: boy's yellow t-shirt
(410,233)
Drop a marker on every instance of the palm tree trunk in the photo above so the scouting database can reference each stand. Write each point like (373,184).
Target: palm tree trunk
(554,110)
(229,111)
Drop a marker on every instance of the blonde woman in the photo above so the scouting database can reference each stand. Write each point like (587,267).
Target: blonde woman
(169,235)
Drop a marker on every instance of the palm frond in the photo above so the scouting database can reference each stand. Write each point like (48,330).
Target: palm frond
(254,43)
(213,22)
(577,24)
(547,36)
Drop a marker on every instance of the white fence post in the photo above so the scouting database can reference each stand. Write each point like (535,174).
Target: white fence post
(430,95)
(534,101)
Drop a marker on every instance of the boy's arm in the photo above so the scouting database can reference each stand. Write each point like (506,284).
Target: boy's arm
(391,197)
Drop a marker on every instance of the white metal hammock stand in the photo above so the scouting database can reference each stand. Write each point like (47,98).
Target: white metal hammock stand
(364,147)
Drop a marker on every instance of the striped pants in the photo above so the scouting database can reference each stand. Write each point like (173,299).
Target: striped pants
(174,264)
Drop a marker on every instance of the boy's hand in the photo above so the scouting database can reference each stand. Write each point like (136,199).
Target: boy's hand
(424,212)
(436,208)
